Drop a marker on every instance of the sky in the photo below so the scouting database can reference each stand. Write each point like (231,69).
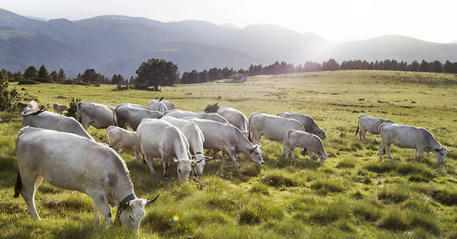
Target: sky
(335,20)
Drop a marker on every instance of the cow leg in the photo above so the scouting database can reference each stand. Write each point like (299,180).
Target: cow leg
(96,212)
(148,159)
(256,137)
(388,152)
(84,123)
(165,166)
(381,150)
(421,153)
(224,154)
(101,202)
(29,180)
(137,155)
(363,135)
(285,149)
(234,158)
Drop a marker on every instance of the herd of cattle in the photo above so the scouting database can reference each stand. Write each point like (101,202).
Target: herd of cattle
(60,150)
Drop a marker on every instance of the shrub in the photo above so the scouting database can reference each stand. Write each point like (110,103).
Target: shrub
(212,108)
(73,108)
(9,99)
(249,216)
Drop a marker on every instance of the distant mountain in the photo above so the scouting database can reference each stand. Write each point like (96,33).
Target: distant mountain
(115,44)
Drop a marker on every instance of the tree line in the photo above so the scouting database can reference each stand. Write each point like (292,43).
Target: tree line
(309,66)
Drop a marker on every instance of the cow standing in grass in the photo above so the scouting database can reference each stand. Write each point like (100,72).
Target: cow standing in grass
(98,115)
(72,162)
(370,124)
(310,143)
(271,126)
(48,120)
(159,138)
(236,118)
(308,122)
(131,115)
(124,138)
(410,137)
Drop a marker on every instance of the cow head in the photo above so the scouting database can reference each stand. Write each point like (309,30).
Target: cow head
(440,154)
(184,168)
(199,162)
(321,134)
(131,213)
(323,157)
(255,154)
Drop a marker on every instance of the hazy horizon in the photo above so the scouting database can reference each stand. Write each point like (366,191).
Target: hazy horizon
(333,20)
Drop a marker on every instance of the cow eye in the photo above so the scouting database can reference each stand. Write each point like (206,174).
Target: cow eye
(131,217)
(179,170)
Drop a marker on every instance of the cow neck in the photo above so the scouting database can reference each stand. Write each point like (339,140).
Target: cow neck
(243,145)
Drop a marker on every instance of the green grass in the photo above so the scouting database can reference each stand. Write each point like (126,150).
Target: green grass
(352,195)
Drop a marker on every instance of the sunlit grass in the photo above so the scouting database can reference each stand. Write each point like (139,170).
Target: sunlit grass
(351,195)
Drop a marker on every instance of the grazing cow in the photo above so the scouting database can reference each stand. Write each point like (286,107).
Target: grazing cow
(124,138)
(72,162)
(370,124)
(59,109)
(132,114)
(410,137)
(32,105)
(209,116)
(195,138)
(307,121)
(310,143)
(229,139)
(159,138)
(98,115)
(157,105)
(271,126)
(236,118)
(48,120)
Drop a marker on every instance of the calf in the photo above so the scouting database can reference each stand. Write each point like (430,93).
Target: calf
(310,143)
(307,122)
(410,137)
(124,138)
(58,108)
(69,161)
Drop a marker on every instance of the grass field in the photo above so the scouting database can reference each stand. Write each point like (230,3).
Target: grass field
(352,195)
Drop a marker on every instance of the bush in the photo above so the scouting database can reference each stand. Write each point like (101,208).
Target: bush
(212,108)
(249,216)
(9,99)
(73,108)
(27,82)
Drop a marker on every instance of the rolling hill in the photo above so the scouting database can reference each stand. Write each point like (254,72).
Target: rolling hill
(115,44)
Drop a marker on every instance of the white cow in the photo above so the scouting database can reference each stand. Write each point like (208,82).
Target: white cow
(49,120)
(157,105)
(410,137)
(271,126)
(132,114)
(32,105)
(183,114)
(195,138)
(124,138)
(370,124)
(310,143)
(159,138)
(98,115)
(236,118)
(308,122)
(229,139)
(72,162)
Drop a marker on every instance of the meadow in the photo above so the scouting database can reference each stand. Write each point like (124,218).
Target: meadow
(352,195)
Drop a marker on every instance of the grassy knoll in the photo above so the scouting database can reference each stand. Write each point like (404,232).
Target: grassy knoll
(352,195)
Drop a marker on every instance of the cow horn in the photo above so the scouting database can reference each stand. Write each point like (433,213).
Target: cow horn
(161,98)
(152,200)
(174,160)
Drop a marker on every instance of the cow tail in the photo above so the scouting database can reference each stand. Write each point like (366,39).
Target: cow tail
(114,116)
(357,130)
(249,128)
(18,186)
